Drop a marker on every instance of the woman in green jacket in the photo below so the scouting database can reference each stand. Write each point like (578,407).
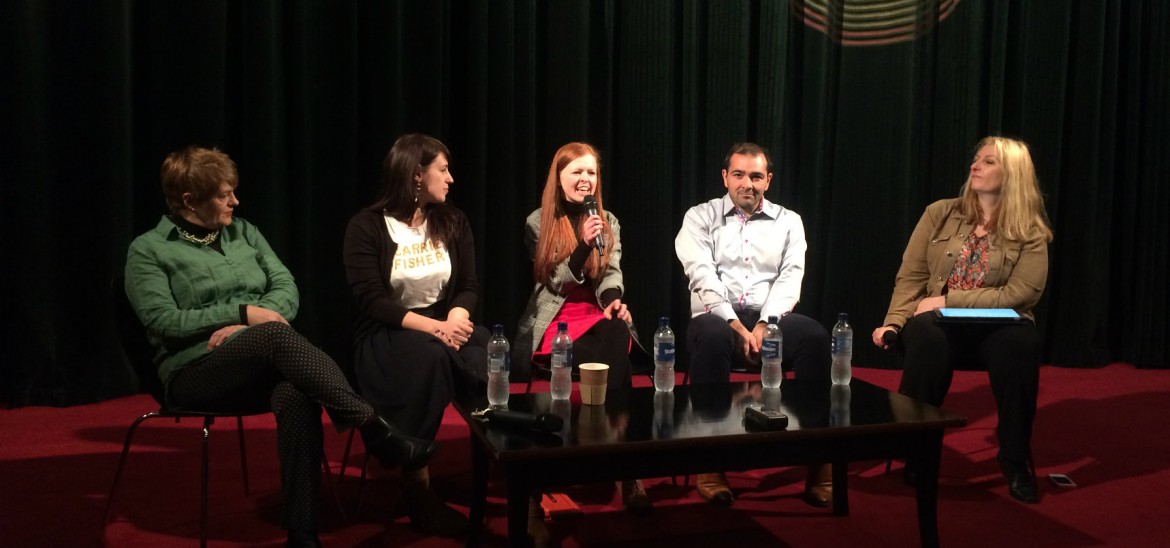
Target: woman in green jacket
(216,302)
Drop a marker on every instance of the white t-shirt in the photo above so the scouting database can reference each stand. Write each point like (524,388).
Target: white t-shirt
(422,267)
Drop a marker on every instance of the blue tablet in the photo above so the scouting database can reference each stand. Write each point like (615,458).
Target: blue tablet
(977,315)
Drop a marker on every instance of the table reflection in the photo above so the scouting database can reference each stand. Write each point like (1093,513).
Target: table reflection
(692,411)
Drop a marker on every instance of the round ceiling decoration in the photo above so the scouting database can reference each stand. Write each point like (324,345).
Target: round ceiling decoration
(872,22)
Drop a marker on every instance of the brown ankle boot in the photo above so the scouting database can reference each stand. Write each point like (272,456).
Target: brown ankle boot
(714,489)
(818,487)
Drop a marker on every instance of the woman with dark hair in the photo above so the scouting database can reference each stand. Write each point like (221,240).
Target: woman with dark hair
(216,302)
(988,248)
(578,280)
(410,263)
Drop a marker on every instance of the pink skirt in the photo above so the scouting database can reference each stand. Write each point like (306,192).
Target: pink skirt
(580,311)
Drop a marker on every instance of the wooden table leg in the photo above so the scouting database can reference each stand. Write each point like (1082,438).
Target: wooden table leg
(841,488)
(518,494)
(930,452)
(479,481)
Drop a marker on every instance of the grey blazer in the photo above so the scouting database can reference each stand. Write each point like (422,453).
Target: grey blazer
(546,300)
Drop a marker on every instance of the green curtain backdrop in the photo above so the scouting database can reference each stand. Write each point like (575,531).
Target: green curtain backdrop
(867,125)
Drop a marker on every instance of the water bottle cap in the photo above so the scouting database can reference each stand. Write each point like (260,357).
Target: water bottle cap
(664,321)
(842,316)
(498,329)
(773,319)
(562,326)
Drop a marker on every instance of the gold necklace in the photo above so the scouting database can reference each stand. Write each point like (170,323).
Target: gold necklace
(206,240)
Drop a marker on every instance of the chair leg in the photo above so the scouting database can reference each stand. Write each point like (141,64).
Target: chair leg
(528,390)
(345,456)
(362,485)
(243,457)
(331,486)
(207,422)
(122,462)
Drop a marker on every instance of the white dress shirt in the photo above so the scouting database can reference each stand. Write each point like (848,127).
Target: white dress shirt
(735,266)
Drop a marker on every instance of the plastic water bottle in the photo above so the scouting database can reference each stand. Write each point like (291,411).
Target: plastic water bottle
(663,415)
(842,369)
(839,402)
(771,352)
(664,356)
(562,363)
(499,365)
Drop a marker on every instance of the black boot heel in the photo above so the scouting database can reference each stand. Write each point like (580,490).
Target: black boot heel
(393,448)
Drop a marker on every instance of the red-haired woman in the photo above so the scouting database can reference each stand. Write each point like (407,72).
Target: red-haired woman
(577,265)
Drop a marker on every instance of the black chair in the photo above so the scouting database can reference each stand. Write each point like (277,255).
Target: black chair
(132,336)
(138,352)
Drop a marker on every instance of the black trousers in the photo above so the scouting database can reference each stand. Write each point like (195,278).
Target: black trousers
(608,342)
(410,377)
(273,363)
(1010,354)
(714,346)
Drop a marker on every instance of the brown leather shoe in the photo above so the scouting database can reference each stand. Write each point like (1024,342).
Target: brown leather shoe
(818,487)
(714,489)
(634,497)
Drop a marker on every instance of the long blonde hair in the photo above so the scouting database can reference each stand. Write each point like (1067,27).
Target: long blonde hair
(1021,206)
(558,237)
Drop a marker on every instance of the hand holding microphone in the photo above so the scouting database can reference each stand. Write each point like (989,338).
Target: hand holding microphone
(591,209)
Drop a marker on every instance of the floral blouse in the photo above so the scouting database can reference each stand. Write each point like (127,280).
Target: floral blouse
(971,265)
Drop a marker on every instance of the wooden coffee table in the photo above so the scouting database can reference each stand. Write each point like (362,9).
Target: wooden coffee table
(640,433)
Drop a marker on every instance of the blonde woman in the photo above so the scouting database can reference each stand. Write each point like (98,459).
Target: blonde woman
(988,248)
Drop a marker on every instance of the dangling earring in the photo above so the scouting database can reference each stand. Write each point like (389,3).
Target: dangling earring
(417,189)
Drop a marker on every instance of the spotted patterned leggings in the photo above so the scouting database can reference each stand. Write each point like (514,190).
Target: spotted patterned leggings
(272,362)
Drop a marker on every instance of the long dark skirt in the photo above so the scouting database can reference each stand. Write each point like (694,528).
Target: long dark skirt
(410,377)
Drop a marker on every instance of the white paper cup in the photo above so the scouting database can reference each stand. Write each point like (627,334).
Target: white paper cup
(594,373)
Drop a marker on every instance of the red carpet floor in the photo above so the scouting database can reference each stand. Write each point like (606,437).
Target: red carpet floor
(1106,428)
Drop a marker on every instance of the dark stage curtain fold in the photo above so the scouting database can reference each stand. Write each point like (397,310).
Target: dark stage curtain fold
(871,110)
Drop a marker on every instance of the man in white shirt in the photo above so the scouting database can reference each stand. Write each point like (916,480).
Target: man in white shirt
(744,259)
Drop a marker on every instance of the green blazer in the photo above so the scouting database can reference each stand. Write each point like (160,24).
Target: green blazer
(183,292)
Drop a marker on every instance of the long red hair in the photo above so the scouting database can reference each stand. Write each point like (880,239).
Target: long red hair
(558,237)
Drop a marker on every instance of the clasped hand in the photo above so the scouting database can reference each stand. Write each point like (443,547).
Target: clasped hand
(751,340)
(256,316)
(454,331)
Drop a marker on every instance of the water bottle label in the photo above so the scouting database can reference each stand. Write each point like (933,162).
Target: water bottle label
(771,348)
(495,365)
(842,345)
(562,359)
(664,351)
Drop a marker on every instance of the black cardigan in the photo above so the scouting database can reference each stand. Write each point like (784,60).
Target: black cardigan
(368,255)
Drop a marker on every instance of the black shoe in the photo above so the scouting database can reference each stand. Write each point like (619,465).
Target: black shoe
(302,539)
(1021,481)
(393,448)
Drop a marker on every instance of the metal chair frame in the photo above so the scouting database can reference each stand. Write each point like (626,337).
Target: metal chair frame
(138,352)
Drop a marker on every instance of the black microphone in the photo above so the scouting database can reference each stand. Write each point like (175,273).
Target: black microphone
(591,208)
(890,338)
(543,422)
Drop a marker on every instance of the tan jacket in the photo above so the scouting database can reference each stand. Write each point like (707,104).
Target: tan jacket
(1016,270)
